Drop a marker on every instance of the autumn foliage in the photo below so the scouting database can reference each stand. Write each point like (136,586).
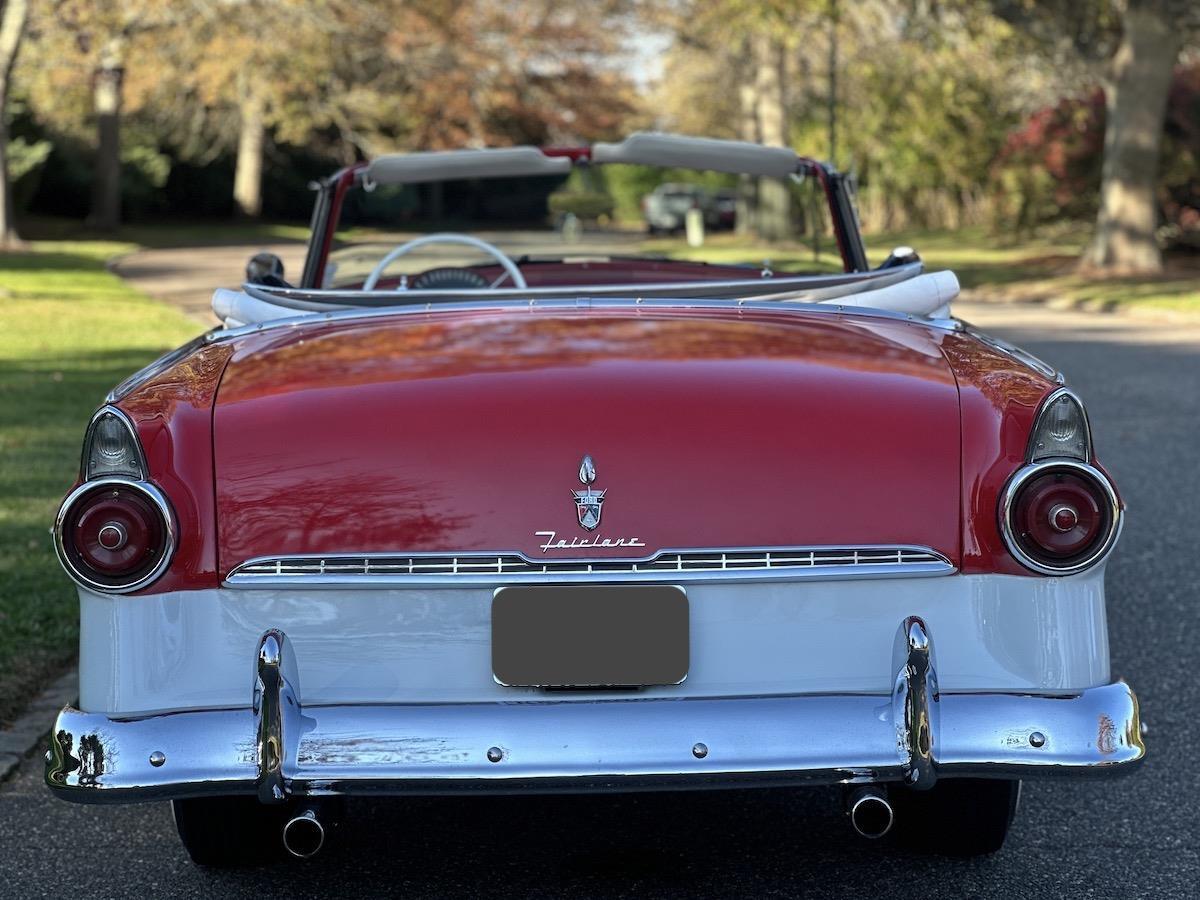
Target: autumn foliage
(1049,167)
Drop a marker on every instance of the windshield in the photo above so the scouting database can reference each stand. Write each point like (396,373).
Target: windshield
(599,224)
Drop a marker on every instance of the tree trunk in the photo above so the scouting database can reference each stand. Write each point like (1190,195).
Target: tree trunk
(1136,100)
(13,14)
(106,99)
(747,204)
(247,178)
(774,199)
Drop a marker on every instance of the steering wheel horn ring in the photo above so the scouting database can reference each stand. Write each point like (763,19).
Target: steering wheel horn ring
(448,237)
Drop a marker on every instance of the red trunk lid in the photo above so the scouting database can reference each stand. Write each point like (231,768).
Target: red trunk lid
(460,431)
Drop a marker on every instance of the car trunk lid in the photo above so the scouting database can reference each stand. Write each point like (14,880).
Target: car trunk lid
(455,432)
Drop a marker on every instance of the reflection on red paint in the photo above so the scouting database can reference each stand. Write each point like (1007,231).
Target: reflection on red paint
(464,430)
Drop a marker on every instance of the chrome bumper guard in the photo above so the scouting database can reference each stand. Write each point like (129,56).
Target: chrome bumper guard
(276,749)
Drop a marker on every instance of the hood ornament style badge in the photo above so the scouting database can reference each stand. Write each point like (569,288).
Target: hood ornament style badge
(588,504)
(588,501)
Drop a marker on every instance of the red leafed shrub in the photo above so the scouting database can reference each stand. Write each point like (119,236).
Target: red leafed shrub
(1179,175)
(1060,147)
(1049,168)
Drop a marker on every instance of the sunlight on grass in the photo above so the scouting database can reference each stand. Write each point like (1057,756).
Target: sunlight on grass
(730,249)
(1038,268)
(69,331)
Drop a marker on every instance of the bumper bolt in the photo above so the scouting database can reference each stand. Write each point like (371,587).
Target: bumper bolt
(1037,739)
(495,754)
(157,758)
(699,750)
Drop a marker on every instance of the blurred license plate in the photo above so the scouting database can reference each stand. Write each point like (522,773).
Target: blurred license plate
(590,635)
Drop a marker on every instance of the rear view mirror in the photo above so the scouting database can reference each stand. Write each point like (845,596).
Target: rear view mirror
(265,268)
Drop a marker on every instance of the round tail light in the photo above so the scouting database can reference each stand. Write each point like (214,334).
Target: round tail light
(115,534)
(1059,517)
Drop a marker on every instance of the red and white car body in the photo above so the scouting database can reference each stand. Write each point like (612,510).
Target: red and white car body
(889,531)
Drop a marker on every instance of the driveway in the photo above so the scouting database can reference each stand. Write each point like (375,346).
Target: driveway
(186,276)
(1130,837)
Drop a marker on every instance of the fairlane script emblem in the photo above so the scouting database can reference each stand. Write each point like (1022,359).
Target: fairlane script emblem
(588,502)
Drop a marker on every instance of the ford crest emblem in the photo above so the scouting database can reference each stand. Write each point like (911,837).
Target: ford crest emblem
(588,502)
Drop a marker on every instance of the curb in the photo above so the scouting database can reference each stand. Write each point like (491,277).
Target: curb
(27,732)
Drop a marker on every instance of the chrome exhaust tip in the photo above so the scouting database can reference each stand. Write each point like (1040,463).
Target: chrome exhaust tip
(304,835)
(870,812)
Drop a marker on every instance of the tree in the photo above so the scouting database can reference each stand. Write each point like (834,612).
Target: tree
(13,15)
(1136,103)
(1131,47)
(494,72)
(287,88)
(774,198)
(99,39)
(925,94)
(355,79)
(752,52)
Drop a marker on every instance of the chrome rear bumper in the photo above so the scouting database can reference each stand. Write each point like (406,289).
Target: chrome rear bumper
(276,749)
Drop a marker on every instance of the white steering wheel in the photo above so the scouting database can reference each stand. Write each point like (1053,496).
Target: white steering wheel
(447,237)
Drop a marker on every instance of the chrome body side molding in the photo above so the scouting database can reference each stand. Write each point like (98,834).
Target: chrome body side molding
(914,736)
(456,570)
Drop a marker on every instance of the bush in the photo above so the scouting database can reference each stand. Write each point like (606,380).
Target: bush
(1049,168)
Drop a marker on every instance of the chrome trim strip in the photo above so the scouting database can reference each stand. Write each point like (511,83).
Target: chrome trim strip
(609,745)
(154,495)
(1032,470)
(364,298)
(1021,355)
(123,418)
(158,366)
(457,569)
(580,303)
(1043,411)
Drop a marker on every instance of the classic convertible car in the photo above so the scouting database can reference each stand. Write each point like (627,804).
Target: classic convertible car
(519,522)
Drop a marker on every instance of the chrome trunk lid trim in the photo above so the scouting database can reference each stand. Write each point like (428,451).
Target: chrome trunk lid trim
(720,564)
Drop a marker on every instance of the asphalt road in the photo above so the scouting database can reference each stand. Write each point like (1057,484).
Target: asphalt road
(1130,837)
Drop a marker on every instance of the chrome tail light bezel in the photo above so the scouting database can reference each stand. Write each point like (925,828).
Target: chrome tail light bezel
(1031,471)
(149,492)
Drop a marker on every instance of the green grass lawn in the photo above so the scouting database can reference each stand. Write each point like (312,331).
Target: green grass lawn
(69,331)
(725,247)
(1045,268)
(1041,268)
